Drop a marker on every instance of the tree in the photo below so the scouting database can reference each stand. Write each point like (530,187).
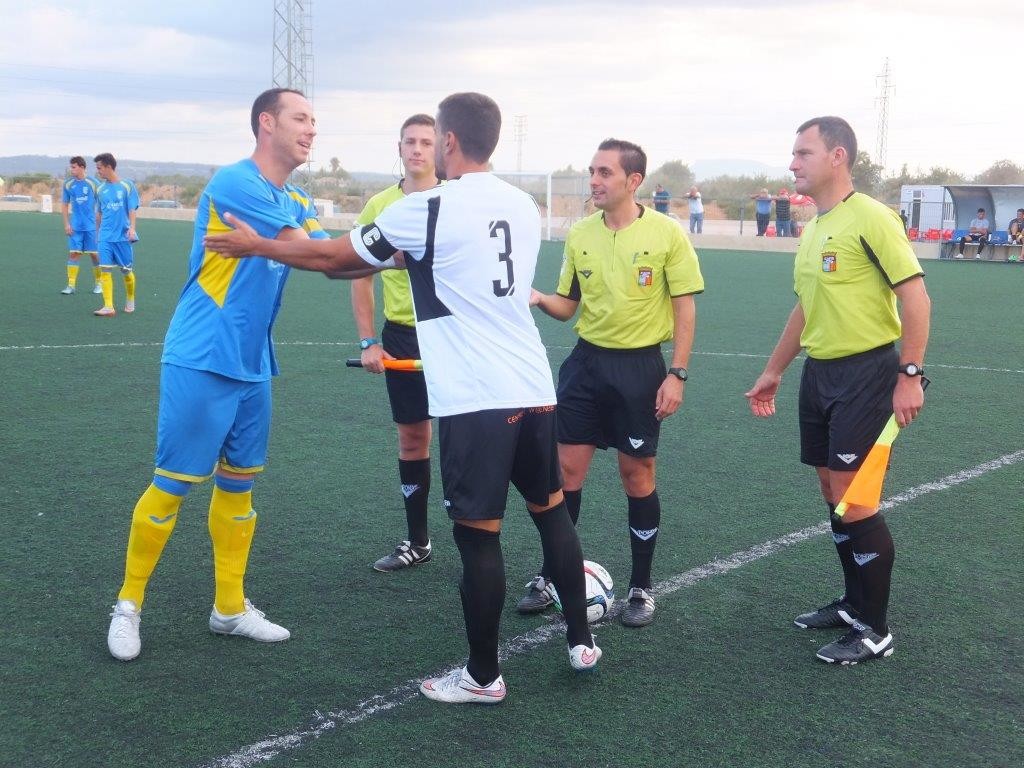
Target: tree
(335,166)
(867,176)
(1001,172)
(674,175)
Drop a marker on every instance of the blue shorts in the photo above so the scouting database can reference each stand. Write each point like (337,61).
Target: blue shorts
(207,420)
(82,242)
(116,254)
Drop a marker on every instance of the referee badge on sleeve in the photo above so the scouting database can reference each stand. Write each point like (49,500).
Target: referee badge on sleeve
(645,277)
(828,262)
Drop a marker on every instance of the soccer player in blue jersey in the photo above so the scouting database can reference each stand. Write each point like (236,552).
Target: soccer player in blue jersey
(80,211)
(118,201)
(214,416)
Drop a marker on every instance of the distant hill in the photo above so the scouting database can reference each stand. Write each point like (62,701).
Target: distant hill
(709,169)
(140,170)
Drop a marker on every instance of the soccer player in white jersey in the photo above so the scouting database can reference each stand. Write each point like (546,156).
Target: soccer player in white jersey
(471,250)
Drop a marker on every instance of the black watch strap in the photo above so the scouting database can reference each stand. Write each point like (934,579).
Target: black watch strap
(679,373)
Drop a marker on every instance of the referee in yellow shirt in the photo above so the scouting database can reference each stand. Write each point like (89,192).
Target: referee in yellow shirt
(853,264)
(407,390)
(633,275)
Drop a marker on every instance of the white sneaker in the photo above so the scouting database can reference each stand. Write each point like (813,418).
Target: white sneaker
(129,307)
(68,290)
(251,623)
(459,687)
(97,288)
(584,659)
(123,636)
(105,312)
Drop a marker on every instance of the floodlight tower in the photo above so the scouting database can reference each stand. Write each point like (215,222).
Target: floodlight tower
(884,87)
(293,54)
(519,133)
(293,45)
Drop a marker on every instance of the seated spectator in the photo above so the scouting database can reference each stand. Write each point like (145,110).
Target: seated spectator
(783,222)
(978,233)
(696,211)
(1016,228)
(763,210)
(661,199)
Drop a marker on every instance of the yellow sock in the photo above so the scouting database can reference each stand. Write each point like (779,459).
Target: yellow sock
(152,523)
(96,271)
(232,523)
(72,273)
(107,284)
(129,286)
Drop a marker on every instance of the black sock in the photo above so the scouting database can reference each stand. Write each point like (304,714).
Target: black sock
(874,554)
(573,500)
(564,557)
(644,519)
(844,548)
(483,596)
(415,478)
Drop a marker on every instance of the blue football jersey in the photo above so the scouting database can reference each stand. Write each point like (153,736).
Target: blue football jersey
(80,196)
(115,200)
(228,306)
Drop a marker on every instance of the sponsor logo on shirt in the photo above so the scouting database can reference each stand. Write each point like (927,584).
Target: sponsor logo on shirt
(829,262)
(586,273)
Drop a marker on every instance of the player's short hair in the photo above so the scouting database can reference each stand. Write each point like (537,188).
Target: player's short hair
(269,101)
(475,119)
(78,160)
(835,132)
(631,157)
(981,210)
(417,119)
(107,159)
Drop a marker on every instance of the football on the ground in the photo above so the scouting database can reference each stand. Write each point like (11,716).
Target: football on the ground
(600,596)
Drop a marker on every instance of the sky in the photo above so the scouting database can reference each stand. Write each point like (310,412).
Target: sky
(689,81)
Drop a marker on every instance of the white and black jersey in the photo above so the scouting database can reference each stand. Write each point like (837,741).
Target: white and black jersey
(471,250)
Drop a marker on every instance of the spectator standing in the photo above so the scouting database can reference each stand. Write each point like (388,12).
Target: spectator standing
(783,220)
(661,199)
(763,210)
(696,211)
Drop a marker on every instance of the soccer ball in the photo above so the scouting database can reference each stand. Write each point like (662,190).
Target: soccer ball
(600,596)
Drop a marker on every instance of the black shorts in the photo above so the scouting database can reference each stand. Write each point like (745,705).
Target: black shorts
(606,398)
(844,405)
(407,390)
(482,452)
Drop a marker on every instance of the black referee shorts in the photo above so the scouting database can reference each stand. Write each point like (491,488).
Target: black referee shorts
(482,452)
(844,404)
(606,398)
(407,390)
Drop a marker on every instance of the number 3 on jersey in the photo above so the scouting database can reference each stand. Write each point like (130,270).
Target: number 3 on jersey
(501,229)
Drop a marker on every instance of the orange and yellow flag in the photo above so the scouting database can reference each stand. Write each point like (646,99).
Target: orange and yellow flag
(866,488)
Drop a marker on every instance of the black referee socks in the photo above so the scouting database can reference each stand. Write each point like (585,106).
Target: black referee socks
(563,556)
(415,478)
(874,553)
(844,548)
(644,519)
(483,596)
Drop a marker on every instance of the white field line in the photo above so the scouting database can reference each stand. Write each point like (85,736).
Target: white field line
(354,345)
(269,748)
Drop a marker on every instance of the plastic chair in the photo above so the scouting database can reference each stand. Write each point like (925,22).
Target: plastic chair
(912,233)
(770,232)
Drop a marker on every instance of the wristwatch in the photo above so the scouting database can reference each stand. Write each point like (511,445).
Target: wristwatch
(367,342)
(679,373)
(911,369)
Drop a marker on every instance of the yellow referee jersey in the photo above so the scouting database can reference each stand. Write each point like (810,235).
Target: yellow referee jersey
(395,282)
(847,264)
(625,279)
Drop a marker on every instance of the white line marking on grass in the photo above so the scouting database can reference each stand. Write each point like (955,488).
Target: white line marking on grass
(125,344)
(271,747)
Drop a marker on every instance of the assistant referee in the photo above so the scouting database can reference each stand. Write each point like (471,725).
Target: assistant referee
(633,274)
(853,263)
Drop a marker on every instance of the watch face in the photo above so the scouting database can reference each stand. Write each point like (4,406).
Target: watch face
(911,370)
